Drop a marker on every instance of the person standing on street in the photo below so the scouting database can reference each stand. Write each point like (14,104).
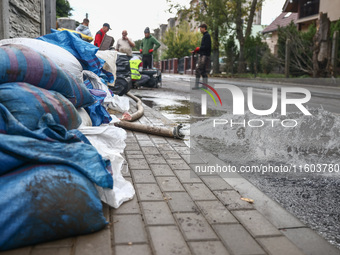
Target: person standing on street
(203,65)
(125,44)
(100,34)
(147,48)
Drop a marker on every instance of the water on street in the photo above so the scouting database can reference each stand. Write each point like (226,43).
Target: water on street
(312,196)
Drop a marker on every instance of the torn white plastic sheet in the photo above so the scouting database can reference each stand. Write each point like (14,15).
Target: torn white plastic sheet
(110,57)
(109,141)
(118,103)
(85,118)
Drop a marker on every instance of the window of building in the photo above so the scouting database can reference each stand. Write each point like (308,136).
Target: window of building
(308,8)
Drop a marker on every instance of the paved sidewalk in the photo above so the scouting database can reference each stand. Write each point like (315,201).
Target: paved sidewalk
(176,211)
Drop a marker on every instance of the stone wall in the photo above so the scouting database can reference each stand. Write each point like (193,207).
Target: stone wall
(26,18)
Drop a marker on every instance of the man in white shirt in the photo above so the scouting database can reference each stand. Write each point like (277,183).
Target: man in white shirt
(125,44)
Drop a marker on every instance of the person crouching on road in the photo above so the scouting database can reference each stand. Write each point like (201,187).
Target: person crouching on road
(203,65)
(136,76)
(147,48)
(100,34)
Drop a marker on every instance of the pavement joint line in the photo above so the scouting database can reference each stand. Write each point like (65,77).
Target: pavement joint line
(300,227)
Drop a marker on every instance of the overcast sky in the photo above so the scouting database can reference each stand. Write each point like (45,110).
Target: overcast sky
(135,15)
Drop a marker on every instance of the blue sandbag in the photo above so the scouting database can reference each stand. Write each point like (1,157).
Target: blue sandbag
(41,203)
(97,111)
(28,104)
(23,64)
(50,144)
(20,63)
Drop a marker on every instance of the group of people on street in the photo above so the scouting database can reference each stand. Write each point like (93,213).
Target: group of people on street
(148,45)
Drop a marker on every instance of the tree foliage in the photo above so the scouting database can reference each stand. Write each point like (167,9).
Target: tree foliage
(63,8)
(137,44)
(212,12)
(301,48)
(180,41)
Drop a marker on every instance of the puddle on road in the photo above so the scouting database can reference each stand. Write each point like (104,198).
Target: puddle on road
(177,110)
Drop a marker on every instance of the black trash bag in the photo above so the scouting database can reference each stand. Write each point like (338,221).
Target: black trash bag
(122,85)
(123,65)
(123,82)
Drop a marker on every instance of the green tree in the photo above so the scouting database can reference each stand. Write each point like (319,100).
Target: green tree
(63,8)
(215,14)
(255,49)
(231,53)
(137,44)
(243,11)
(180,41)
(301,48)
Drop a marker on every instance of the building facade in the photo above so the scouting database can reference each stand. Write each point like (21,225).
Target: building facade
(26,18)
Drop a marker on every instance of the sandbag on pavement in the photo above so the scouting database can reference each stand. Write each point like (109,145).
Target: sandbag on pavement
(49,144)
(28,104)
(23,64)
(64,59)
(41,203)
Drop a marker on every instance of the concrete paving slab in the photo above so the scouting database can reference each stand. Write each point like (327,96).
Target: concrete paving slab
(195,227)
(157,213)
(215,212)
(169,184)
(161,170)
(133,249)
(256,224)
(208,248)
(143,176)
(279,245)
(310,242)
(181,202)
(128,228)
(198,191)
(148,192)
(232,200)
(167,240)
(238,240)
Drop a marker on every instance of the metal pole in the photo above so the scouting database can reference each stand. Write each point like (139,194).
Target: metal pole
(287,60)
(334,57)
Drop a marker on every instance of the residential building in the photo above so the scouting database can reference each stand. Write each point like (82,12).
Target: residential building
(271,31)
(308,11)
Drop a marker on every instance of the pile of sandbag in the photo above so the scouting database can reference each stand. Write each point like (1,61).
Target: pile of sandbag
(50,172)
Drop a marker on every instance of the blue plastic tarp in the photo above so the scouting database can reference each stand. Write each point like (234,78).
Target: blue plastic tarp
(83,51)
(51,143)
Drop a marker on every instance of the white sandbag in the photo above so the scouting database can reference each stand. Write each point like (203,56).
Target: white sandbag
(58,55)
(110,143)
(85,118)
(118,103)
(110,57)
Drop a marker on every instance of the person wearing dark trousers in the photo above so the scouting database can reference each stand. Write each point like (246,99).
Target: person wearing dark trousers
(147,48)
(203,65)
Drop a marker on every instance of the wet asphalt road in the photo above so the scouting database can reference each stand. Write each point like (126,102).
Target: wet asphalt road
(313,198)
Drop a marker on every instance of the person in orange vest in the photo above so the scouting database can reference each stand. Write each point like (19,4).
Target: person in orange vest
(100,34)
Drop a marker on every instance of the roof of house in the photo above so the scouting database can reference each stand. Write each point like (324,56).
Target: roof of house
(282,20)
